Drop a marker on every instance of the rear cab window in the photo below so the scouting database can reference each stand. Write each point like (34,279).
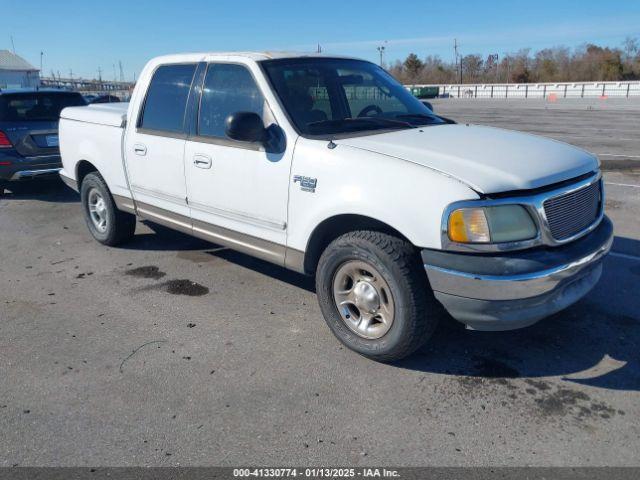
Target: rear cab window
(37,106)
(165,104)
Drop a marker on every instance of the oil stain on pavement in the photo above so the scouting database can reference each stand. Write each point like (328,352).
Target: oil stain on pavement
(185,287)
(550,400)
(149,271)
(173,287)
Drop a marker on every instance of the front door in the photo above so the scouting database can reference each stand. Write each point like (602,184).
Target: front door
(237,191)
(155,148)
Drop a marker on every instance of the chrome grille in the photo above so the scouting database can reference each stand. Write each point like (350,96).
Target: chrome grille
(569,214)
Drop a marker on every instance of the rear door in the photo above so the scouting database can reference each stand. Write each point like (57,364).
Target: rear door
(154,149)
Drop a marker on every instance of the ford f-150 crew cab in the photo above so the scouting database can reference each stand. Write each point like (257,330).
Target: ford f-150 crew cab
(329,167)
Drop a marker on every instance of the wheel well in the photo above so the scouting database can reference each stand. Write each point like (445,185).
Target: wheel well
(334,227)
(82,170)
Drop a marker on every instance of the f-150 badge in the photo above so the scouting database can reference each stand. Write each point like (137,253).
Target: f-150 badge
(307,184)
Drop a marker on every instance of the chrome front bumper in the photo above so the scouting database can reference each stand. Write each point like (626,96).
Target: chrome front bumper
(512,290)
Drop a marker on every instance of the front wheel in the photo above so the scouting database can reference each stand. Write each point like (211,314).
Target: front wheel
(374,295)
(107,224)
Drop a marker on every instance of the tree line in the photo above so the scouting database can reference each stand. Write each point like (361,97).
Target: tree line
(586,63)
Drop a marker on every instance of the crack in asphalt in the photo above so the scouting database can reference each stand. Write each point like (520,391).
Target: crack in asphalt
(136,350)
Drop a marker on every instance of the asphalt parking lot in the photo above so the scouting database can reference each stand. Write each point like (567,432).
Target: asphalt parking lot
(608,127)
(171,351)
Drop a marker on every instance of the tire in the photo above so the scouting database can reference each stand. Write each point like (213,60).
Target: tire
(107,224)
(3,185)
(396,275)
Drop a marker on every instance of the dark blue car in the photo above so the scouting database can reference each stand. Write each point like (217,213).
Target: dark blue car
(29,133)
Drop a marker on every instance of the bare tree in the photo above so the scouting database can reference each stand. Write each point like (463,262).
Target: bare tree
(437,71)
(472,67)
(630,46)
(588,62)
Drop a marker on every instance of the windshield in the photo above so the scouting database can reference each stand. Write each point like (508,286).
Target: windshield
(328,96)
(36,106)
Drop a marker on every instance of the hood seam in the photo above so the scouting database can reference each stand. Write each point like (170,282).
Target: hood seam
(448,175)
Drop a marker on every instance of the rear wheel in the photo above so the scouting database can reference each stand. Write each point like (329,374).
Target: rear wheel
(2,187)
(374,295)
(107,224)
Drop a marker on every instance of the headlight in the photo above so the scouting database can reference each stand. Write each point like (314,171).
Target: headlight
(504,223)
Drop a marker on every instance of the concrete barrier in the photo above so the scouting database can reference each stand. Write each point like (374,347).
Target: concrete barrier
(548,91)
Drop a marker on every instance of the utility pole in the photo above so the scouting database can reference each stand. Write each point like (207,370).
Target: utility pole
(13,45)
(508,73)
(493,58)
(41,54)
(121,71)
(381,50)
(99,74)
(319,49)
(455,50)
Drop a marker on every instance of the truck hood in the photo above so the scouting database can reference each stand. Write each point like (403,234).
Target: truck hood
(489,160)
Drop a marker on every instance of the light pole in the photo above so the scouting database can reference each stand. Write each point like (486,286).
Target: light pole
(381,50)
(457,54)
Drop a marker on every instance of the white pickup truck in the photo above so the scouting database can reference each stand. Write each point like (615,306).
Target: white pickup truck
(329,167)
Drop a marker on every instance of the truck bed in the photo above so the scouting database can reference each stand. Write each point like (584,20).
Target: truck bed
(92,136)
(109,114)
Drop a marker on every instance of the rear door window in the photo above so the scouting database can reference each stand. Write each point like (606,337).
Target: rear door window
(37,106)
(166,101)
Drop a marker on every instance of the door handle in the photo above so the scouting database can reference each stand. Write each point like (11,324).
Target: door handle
(202,161)
(140,149)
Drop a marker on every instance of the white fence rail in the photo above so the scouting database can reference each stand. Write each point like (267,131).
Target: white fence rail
(549,91)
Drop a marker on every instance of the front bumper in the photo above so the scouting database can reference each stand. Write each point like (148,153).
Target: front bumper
(505,291)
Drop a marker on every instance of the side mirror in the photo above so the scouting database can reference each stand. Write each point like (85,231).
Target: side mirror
(427,104)
(245,127)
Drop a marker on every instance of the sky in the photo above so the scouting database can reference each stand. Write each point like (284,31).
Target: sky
(84,36)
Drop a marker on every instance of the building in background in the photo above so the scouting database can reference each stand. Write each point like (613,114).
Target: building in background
(16,72)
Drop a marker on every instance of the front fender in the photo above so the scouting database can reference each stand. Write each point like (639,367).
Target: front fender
(409,198)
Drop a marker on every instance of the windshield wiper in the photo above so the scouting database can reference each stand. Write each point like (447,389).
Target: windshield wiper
(422,116)
(361,121)
(382,121)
